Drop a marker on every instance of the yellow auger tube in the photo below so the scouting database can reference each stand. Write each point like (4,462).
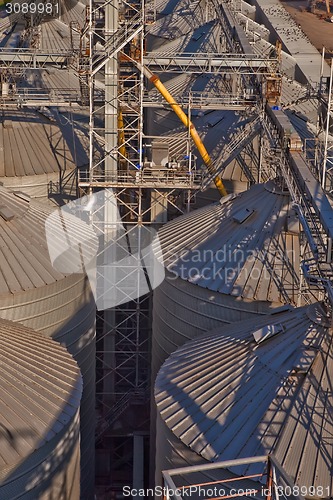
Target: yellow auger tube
(121,135)
(188,124)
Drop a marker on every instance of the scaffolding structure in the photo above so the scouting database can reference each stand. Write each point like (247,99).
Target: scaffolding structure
(138,196)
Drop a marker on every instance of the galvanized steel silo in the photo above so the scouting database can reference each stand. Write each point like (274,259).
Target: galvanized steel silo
(257,387)
(40,393)
(229,261)
(62,307)
(38,155)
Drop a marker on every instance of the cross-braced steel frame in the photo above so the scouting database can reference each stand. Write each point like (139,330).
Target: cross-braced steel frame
(113,48)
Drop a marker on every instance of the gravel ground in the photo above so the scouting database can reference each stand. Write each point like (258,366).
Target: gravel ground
(319,31)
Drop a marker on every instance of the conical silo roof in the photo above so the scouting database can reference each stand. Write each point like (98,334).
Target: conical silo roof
(24,256)
(40,394)
(34,144)
(59,305)
(256,387)
(245,246)
(40,151)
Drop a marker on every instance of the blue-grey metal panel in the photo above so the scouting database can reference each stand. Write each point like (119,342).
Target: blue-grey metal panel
(225,396)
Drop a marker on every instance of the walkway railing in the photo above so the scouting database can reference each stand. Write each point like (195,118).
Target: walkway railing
(269,482)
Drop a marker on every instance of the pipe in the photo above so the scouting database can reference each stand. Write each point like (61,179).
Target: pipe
(225,464)
(188,124)
(121,135)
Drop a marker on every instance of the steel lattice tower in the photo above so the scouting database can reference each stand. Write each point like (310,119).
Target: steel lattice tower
(112,48)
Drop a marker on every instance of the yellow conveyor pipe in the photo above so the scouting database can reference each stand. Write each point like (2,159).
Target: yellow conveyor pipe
(121,134)
(188,124)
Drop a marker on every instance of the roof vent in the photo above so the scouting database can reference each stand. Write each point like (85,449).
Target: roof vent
(197,36)
(6,213)
(242,215)
(215,120)
(21,195)
(282,309)
(266,332)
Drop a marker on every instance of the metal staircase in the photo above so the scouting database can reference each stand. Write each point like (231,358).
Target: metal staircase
(136,396)
(317,269)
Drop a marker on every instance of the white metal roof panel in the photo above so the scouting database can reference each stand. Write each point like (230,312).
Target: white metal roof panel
(55,35)
(294,97)
(51,78)
(183,84)
(164,7)
(72,11)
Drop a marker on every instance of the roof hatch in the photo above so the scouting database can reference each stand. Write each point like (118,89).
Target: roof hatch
(22,195)
(6,213)
(266,332)
(242,215)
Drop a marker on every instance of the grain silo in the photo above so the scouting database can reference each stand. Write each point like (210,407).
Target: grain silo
(257,387)
(40,393)
(62,307)
(231,260)
(39,153)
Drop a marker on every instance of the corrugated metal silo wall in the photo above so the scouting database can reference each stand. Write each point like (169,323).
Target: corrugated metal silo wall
(171,453)
(65,311)
(39,186)
(53,471)
(182,311)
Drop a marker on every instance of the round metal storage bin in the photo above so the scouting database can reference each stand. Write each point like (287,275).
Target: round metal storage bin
(38,154)
(40,393)
(235,259)
(254,388)
(62,307)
